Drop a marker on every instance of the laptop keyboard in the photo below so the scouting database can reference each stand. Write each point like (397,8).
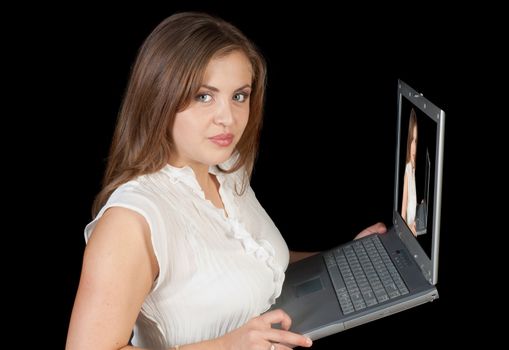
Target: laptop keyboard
(363,275)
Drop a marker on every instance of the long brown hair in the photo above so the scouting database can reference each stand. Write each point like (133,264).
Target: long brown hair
(411,125)
(167,73)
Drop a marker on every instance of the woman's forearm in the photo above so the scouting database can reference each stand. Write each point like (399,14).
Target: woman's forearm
(213,344)
(296,256)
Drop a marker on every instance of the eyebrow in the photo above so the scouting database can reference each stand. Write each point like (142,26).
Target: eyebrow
(217,90)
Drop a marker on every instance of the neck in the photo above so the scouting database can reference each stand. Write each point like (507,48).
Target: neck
(202,175)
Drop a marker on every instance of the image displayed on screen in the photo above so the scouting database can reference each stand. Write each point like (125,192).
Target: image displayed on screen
(416,172)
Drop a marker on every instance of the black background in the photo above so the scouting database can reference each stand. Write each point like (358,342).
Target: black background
(325,167)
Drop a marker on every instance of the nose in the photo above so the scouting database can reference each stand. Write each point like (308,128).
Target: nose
(224,114)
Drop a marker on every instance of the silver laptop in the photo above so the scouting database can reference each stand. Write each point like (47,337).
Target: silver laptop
(378,275)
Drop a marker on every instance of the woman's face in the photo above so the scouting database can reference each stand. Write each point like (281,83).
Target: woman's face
(207,131)
(413,145)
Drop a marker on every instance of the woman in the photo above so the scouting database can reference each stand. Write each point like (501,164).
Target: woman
(409,202)
(180,250)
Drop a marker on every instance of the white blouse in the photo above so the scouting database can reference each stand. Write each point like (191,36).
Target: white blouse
(216,271)
(412,194)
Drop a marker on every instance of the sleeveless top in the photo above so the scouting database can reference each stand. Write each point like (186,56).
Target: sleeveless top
(216,271)
(412,194)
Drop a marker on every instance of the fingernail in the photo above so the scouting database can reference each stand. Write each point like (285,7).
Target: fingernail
(309,342)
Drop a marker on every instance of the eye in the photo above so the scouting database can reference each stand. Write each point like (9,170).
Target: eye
(203,98)
(240,97)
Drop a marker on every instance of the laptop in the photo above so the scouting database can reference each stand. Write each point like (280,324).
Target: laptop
(381,274)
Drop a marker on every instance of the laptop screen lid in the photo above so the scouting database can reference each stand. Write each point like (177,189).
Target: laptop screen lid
(418,178)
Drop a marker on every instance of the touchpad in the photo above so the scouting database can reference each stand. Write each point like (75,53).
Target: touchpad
(310,286)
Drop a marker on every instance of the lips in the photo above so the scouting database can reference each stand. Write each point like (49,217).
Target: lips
(223,140)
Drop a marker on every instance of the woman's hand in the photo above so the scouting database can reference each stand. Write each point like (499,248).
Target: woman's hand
(258,334)
(379,227)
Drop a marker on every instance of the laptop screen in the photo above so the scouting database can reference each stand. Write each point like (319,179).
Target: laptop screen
(419,172)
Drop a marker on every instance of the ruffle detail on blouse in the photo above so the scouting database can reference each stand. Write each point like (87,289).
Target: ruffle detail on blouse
(184,175)
(261,250)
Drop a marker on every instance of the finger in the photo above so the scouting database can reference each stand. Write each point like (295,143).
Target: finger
(366,232)
(277,316)
(382,228)
(379,227)
(288,338)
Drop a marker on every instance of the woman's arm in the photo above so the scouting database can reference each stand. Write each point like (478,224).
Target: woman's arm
(404,201)
(296,256)
(379,227)
(119,267)
(255,334)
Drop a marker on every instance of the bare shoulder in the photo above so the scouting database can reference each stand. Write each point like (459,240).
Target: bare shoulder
(119,223)
(123,235)
(119,268)
(118,217)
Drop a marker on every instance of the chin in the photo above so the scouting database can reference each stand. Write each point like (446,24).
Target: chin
(220,157)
